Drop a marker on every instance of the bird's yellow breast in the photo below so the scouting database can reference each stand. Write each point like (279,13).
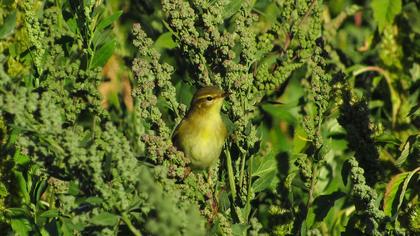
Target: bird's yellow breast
(202,138)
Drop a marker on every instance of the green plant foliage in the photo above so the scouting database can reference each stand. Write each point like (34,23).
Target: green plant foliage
(323,117)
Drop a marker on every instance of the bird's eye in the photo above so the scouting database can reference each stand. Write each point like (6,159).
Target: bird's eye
(209,98)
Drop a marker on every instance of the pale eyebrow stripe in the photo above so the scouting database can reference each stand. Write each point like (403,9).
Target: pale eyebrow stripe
(213,96)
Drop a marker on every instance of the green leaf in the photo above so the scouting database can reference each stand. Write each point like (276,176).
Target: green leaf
(384,12)
(231,8)
(264,182)
(405,185)
(322,204)
(22,185)
(103,54)
(279,111)
(393,187)
(8,26)
(92,200)
(391,192)
(165,41)
(108,20)
(73,188)
(240,229)
(413,110)
(21,226)
(20,158)
(100,37)
(50,213)
(17,212)
(72,24)
(406,150)
(224,202)
(300,139)
(105,219)
(68,228)
(3,190)
(40,188)
(263,165)
(412,14)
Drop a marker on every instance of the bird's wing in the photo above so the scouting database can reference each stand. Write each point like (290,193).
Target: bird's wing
(175,138)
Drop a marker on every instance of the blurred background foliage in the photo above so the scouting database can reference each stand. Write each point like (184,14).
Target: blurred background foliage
(323,121)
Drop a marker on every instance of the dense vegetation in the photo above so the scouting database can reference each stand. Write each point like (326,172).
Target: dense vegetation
(323,118)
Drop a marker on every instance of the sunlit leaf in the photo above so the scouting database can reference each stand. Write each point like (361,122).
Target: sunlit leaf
(263,165)
(393,187)
(105,219)
(165,41)
(231,8)
(108,20)
(21,226)
(384,11)
(8,26)
(102,55)
(50,213)
(264,182)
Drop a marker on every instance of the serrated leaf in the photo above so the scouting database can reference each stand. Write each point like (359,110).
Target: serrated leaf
(384,12)
(108,20)
(8,26)
(105,219)
(103,54)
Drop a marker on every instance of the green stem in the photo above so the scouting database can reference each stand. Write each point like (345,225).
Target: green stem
(311,191)
(248,195)
(127,221)
(241,174)
(230,173)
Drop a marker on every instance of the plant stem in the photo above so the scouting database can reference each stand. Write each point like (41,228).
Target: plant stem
(241,174)
(248,195)
(311,190)
(127,221)
(230,173)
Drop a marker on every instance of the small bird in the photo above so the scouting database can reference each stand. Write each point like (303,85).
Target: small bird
(202,132)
